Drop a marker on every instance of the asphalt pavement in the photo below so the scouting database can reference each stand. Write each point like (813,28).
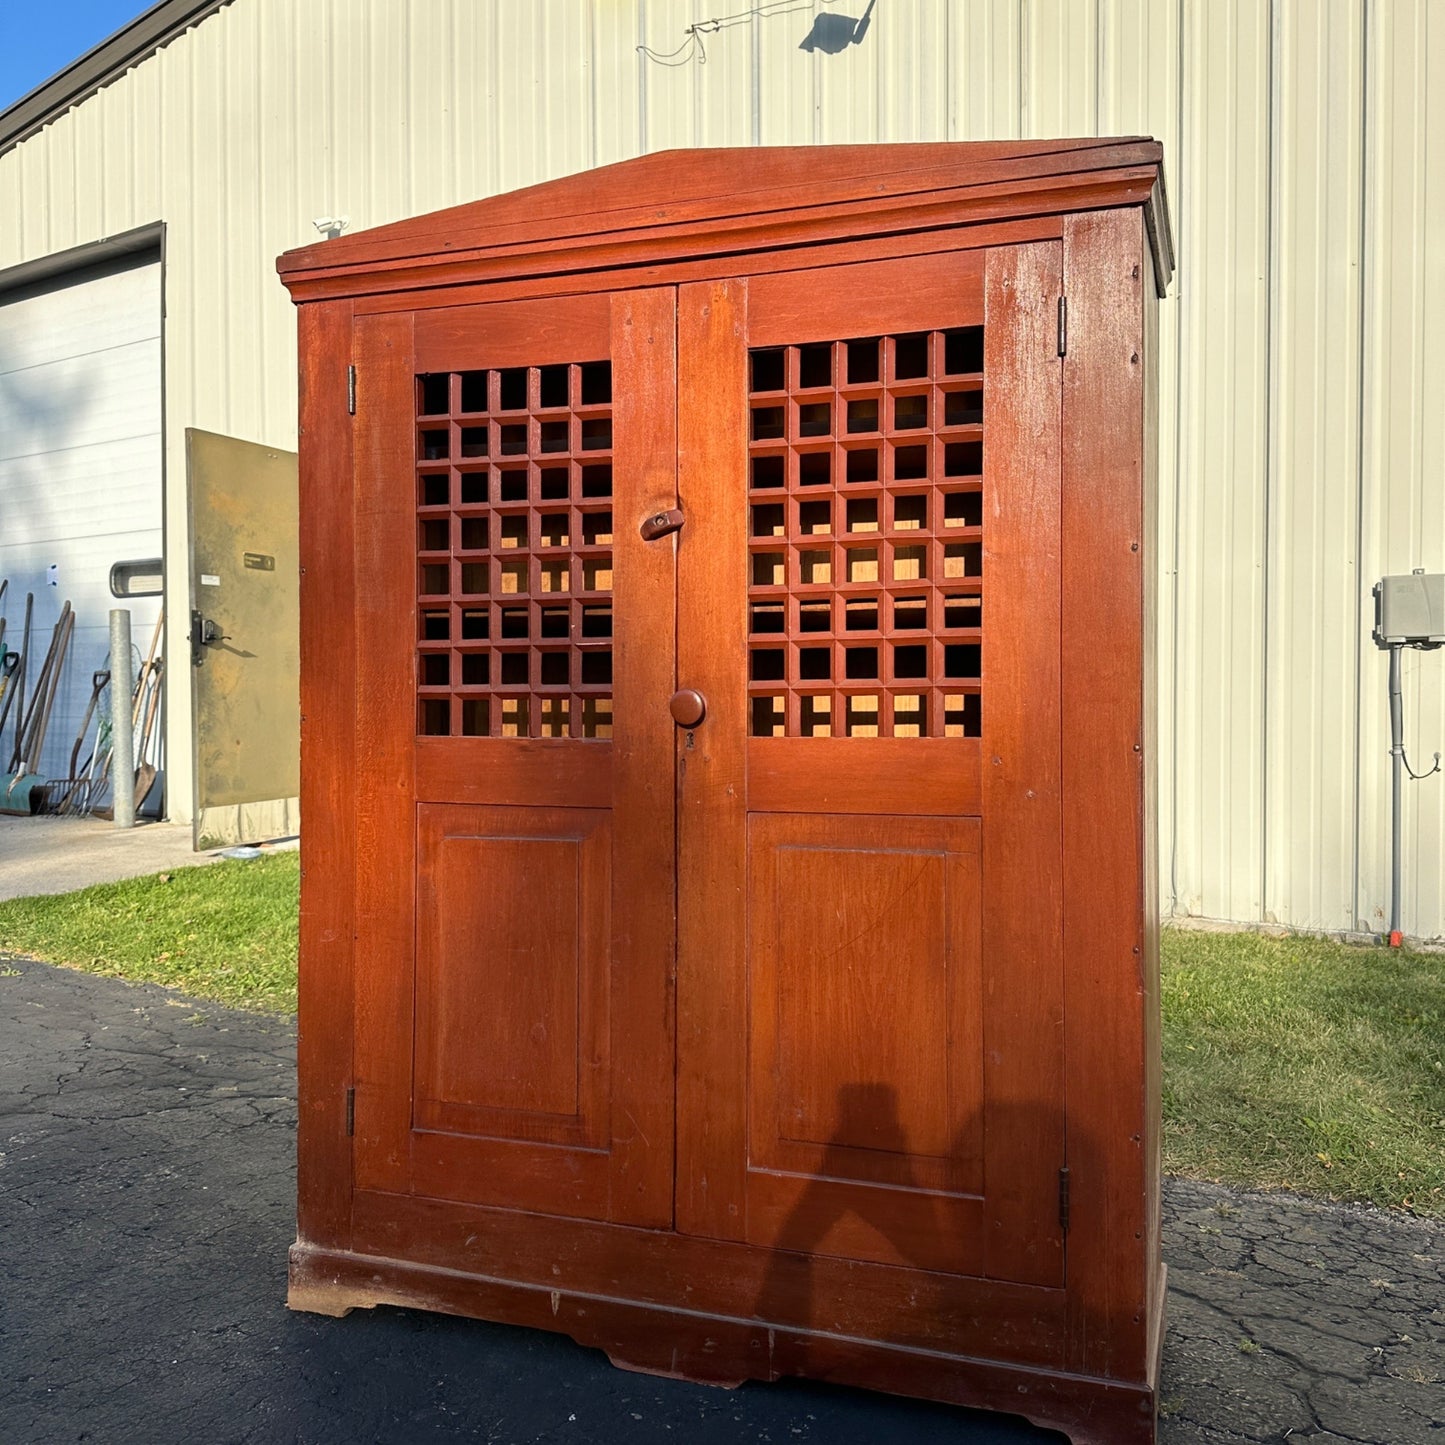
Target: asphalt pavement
(146,1188)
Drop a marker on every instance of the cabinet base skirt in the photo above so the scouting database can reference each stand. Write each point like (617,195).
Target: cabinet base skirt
(719,1350)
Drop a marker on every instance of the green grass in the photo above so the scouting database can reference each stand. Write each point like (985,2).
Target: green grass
(1299,1063)
(1288,1062)
(225,932)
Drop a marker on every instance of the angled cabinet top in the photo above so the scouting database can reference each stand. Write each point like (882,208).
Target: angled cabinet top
(702,207)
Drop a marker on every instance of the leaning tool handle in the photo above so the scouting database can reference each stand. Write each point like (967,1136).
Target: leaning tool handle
(98,681)
(24,668)
(25,743)
(45,697)
(29,714)
(75,785)
(11,667)
(153,704)
(149,667)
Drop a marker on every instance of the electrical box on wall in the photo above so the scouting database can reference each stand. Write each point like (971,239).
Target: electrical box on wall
(1410,610)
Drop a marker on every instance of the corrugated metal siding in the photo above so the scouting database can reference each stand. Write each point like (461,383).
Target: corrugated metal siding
(1214,854)
(1402,486)
(1313,605)
(1302,445)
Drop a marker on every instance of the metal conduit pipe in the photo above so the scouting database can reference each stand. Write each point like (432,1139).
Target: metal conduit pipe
(122,735)
(1397,768)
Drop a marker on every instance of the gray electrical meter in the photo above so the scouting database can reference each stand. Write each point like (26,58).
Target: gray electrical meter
(1410,611)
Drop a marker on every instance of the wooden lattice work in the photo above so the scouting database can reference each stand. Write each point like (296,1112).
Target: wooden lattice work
(865,589)
(514,552)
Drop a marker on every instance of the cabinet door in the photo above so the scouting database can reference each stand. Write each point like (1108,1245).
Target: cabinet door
(515,654)
(869,977)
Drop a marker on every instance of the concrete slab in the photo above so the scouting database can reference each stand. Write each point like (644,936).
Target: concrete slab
(58,855)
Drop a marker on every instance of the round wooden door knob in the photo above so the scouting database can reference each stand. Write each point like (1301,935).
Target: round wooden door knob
(688,707)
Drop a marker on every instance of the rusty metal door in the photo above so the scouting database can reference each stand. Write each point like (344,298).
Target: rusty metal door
(244,648)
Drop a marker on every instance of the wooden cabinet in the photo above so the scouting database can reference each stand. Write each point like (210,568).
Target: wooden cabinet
(728,913)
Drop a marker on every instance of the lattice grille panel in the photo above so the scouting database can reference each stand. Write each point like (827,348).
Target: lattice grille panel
(865,598)
(514,552)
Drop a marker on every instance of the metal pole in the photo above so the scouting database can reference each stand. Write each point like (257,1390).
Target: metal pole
(1397,762)
(122,768)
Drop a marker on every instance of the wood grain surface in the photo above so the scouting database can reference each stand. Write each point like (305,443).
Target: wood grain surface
(328,779)
(757,1046)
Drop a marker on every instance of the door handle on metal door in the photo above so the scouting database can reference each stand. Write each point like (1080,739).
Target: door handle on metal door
(659,524)
(204,632)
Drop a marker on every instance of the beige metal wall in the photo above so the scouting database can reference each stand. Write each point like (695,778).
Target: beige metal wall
(1303,434)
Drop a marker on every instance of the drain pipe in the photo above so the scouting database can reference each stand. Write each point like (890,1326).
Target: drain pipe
(1397,768)
(122,766)
(1409,612)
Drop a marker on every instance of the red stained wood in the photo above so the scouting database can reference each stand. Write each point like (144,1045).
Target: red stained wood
(1110,931)
(644,352)
(514,1012)
(1149,944)
(513,333)
(502,282)
(823,303)
(723,1349)
(1023,1029)
(496,1040)
(865,775)
(949,1314)
(752,1044)
(711,762)
(686,185)
(728,237)
(512,771)
(853,1069)
(865,1058)
(384,886)
(781,202)
(328,632)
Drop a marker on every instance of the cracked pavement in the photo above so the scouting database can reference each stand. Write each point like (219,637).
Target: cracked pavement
(146,1185)
(1291,1319)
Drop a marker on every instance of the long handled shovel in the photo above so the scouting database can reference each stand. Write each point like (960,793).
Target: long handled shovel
(146,773)
(138,693)
(63,793)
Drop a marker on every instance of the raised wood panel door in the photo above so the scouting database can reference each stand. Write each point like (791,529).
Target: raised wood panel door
(515,654)
(870,985)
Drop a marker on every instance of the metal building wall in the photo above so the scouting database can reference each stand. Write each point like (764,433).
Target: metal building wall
(1303,445)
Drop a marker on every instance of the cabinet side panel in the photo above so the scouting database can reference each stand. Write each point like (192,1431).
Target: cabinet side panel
(1108,1076)
(328,846)
(1149,700)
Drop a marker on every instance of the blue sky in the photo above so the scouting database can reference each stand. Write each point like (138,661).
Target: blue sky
(38,39)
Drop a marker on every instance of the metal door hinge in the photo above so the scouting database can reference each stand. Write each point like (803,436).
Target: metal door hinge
(350,1112)
(1064,1200)
(351,390)
(1063,325)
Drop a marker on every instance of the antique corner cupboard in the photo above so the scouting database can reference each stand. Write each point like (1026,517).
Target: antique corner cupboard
(728,918)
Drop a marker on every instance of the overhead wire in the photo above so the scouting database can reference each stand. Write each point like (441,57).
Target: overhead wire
(693,46)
